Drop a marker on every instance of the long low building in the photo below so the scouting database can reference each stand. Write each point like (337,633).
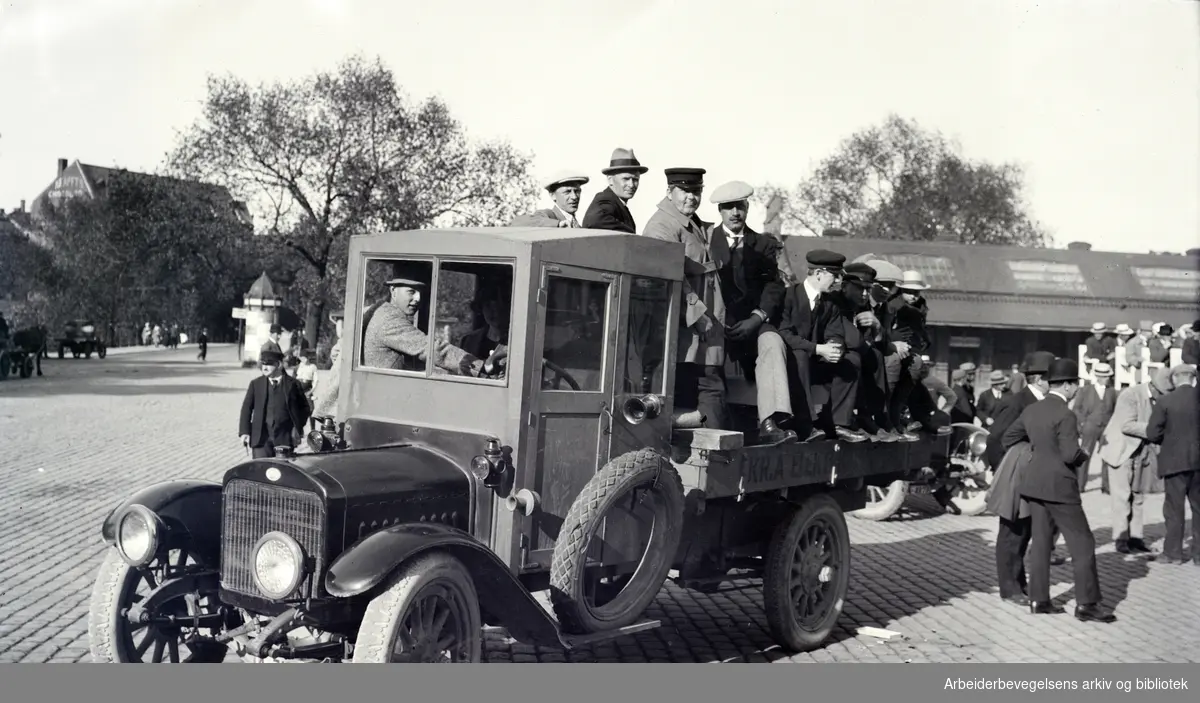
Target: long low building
(991,305)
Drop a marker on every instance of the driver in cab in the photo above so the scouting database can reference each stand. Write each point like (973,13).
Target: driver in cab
(393,340)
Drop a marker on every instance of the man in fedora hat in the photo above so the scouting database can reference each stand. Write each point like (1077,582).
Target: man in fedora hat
(753,292)
(700,368)
(272,343)
(274,410)
(565,188)
(1160,344)
(393,340)
(989,400)
(1127,456)
(610,207)
(1050,485)
(1175,425)
(1100,347)
(1094,407)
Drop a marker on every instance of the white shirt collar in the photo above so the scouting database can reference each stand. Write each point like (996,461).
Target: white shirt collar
(564,215)
(811,292)
(1036,391)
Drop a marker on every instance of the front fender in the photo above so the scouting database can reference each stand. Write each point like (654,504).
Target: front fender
(190,510)
(502,597)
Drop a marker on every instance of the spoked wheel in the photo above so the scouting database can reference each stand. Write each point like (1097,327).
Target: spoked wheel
(179,619)
(883,501)
(807,574)
(970,494)
(427,613)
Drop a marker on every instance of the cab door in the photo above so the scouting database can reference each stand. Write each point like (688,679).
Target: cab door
(571,398)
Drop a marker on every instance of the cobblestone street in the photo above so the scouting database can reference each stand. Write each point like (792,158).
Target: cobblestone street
(91,431)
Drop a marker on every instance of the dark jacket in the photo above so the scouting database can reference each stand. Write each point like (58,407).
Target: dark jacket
(803,329)
(1160,350)
(963,409)
(608,211)
(908,323)
(1053,433)
(253,419)
(1007,412)
(1191,351)
(757,284)
(1103,349)
(1175,424)
(1094,412)
(987,403)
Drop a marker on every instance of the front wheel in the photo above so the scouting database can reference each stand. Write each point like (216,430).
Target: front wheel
(807,574)
(162,637)
(427,613)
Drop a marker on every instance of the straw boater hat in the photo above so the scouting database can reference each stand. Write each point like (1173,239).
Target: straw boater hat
(997,377)
(1124,330)
(623,161)
(912,280)
(1102,369)
(1099,327)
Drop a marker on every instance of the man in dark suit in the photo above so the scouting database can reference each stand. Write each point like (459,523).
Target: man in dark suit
(963,409)
(1094,406)
(1035,366)
(1050,485)
(989,400)
(610,209)
(274,410)
(809,325)
(1175,425)
(753,292)
(1191,346)
(272,343)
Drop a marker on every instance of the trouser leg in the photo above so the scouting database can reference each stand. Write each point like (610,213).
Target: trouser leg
(1073,522)
(1121,491)
(1042,528)
(1174,498)
(771,378)
(1012,540)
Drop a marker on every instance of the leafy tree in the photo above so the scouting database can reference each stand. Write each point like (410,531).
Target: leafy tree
(900,181)
(344,152)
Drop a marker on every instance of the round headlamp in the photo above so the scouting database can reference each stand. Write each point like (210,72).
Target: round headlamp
(481,468)
(979,443)
(138,535)
(278,565)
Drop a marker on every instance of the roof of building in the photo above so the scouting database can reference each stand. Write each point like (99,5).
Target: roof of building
(262,288)
(1005,286)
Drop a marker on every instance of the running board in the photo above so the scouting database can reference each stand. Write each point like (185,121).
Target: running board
(574,641)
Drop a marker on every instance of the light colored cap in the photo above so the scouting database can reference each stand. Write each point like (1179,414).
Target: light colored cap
(1102,369)
(885,271)
(967,366)
(912,280)
(1183,370)
(731,192)
(1099,327)
(563,178)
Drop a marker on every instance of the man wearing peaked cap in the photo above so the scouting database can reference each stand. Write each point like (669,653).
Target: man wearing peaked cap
(753,291)
(393,340)
(1049,484)
(809,326)
(610,207)
(700,368)
(565,188)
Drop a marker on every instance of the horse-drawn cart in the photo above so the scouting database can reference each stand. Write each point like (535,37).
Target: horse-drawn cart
(21,354)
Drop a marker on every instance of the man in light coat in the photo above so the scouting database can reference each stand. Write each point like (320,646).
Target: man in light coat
(700,368)
(565,188)
(1125,453)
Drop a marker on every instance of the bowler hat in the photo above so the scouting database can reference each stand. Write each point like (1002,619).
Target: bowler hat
(1166,330)
(1062,371)
(409,273)
(276,329)
(997,377)
(685,177)
(1038,362)
(270,356)
(623,161)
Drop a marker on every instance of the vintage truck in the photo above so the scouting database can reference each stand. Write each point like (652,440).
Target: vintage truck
(456,489)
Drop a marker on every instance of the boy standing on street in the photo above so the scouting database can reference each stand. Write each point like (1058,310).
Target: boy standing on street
(274,411)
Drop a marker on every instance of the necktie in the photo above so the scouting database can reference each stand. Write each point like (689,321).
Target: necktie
(574,222)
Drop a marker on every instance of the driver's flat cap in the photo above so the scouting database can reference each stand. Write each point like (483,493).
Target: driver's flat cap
(823,258)
(685,177)
(731,192)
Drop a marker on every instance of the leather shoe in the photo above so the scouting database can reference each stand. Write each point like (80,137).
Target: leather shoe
(1093,613)
(1047,608)
(1018,599)
(848,435)
(817,436)
(1122,546)
(769,433)
(1138,546)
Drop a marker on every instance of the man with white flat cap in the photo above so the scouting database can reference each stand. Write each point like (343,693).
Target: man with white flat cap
(565,187)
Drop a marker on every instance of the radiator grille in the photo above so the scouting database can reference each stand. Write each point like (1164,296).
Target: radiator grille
(253,509)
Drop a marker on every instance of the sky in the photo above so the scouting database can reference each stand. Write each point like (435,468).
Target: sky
(1098,100)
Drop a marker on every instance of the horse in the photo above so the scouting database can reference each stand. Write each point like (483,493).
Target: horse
(33,340)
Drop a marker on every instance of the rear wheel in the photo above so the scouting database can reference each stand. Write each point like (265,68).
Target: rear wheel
(644,492)
(27,366)
(427,613)
(807,574)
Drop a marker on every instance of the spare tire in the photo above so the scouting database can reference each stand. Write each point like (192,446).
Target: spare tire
(643,469)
